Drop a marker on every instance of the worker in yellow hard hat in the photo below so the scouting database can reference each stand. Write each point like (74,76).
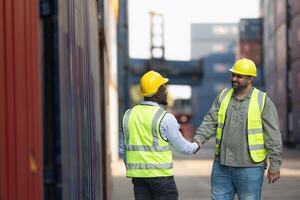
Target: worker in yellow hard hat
(148,131)
(245,123)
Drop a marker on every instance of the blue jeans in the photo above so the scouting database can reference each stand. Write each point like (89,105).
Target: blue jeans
(227,181)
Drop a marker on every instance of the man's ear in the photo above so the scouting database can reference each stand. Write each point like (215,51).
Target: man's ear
(251,78)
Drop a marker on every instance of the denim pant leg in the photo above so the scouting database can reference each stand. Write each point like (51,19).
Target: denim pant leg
(248,182)
(221,182)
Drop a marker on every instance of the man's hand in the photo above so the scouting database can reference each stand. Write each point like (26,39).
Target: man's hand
(199,145)
(273,176)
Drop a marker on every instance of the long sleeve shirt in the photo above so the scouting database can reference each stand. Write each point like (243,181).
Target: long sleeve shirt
(234,145)
(169,129)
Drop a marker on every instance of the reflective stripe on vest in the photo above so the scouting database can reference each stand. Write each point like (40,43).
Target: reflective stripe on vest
(147,154)
(254,123)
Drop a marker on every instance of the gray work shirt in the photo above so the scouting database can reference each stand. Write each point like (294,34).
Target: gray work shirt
(234,146)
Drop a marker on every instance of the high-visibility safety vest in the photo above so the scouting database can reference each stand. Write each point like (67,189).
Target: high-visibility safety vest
(254,123)
(147,153)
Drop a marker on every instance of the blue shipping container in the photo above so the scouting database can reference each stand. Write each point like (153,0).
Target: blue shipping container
(250,29)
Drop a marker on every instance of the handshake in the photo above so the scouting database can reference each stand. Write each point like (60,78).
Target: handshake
(199,142)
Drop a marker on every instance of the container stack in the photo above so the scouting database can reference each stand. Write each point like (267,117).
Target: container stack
(250,46)
(216,77)
(214,46)
(212,38)
(295,69)
(281,46)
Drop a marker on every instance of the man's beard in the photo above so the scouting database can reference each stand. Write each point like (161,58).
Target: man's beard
(238,87)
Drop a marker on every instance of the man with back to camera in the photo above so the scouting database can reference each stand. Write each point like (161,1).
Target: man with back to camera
(245,123)
(147,133)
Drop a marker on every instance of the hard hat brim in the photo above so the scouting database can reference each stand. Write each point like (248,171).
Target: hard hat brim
(165,81)
(241,73)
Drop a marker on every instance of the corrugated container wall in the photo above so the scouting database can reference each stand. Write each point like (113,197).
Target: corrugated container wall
(250,45)
(281,64)
(275,59)
(284,36)
(82,135)
(296,82)
(21,169)
(295,31)
(280,12)
(295,6)
(296,124)
(295,69)
(269,18)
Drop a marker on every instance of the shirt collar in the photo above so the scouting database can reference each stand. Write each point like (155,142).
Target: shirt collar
(150,103)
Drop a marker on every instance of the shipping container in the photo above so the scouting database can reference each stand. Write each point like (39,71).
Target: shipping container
(295,137)
(295,6)
(88,96)
(250,29)
(282,117)
(295,30)
(261,87)
(201,107)
(21,168)
(259,79)
(281,85)
(269,18)
(217,70)
(271,86)
(203,48)
(55,91)
(208,39)
(295,90)
(269,57)
(281,12)
(210,87)
(217,65)
(281,46)
(214,31)
(251,49)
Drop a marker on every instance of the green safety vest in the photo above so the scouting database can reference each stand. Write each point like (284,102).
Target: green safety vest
(147,153)
(254,124)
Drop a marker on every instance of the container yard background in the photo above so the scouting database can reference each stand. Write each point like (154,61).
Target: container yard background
(70,68)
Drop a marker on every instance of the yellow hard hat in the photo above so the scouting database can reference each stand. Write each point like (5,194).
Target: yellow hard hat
(244,66)
(150,82)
